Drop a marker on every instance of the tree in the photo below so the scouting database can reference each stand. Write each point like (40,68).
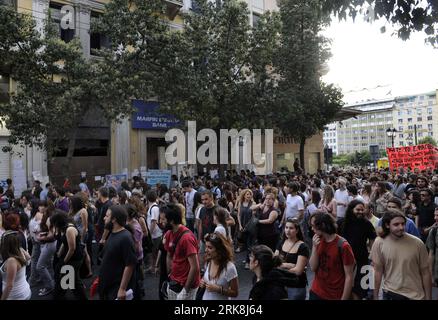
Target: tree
(57,86)
(304,103)
(428,140)
(220,77)
(408,15)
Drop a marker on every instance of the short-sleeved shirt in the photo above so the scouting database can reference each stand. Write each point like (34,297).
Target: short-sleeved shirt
(187,245)
(432,245)
(303,250)
(119,252)
(330,276)
(154,215)
(293,205)
(402,261)
(357,233)
(228,274)
(138,237)
(426,217)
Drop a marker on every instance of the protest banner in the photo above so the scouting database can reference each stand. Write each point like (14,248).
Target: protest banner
(422,157)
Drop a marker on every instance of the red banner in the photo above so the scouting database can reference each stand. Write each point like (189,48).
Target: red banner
(423,156)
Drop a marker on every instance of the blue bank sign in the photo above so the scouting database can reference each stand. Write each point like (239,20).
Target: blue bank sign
(147,117)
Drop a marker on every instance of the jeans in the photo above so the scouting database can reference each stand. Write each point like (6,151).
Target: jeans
(34,274)
(45,264)
(183,295)
(296,293)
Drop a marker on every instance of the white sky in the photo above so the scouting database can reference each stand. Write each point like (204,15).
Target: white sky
(363,57)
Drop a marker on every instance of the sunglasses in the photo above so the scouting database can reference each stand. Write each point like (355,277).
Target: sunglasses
(211,237)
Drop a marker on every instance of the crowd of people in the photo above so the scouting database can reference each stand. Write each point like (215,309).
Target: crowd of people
(337,225)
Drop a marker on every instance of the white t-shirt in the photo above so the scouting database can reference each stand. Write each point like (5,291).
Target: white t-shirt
(358,197)
(228,274)
(189,203)
(341,196)
(220,229)
(154,214)
(293,205)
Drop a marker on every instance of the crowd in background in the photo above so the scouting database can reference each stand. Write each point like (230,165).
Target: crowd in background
(334,224)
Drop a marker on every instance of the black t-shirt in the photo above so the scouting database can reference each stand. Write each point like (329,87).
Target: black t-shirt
(206,217)
(118,253)
(303,250)
(357,233)
(426,215)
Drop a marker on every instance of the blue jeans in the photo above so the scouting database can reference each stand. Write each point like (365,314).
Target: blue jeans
(44,266)
(34,274)
(296,293)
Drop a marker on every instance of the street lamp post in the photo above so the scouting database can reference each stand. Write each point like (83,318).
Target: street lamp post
(391,133)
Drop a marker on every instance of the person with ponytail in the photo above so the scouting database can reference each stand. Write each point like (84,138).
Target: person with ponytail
(270,281)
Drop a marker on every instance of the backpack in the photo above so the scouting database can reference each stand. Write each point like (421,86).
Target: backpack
(341,249)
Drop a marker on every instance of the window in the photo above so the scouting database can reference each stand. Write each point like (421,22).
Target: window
(429,110)
(419,111)
(419,126)
(409,120)
(420,134)
(421,97)
(430,103)
(259,4)
(400,120)
(401,143)
(419,119)
(409,111)
(66,34)
(429,118)
(98,41)
(255,19)
(430,134)
(400,128)
(400,112)
(429,127)
(400,135)
(410,127)
(4,88)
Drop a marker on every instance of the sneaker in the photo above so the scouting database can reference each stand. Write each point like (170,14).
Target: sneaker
(45,292)
(247,266)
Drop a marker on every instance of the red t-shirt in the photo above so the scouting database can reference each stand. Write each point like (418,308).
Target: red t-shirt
(186,246)
(330,277)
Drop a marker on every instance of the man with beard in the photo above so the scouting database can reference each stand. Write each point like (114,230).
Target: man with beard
(402,260)
(119,258)
(182,256)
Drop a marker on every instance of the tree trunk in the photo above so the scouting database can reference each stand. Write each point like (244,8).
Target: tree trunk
(302,143)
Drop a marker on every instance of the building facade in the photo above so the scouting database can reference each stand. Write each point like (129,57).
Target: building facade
(413,117)
(330,137)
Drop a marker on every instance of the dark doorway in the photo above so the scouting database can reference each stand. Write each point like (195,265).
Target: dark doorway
(152,145)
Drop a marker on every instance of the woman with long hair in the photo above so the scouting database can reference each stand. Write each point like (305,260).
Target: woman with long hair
(79,214)
(220,278)
(71,253)
(244,214)
(13,268)
(219,219)
(48,248)
(34,228)
(270,281)
(380,198)
(366,192)
(360,234)
(295,254)
(328,203)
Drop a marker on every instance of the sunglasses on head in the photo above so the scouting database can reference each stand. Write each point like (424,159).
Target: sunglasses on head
(211,237)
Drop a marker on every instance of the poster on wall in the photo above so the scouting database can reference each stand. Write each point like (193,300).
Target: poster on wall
(158,176)
(115,180)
